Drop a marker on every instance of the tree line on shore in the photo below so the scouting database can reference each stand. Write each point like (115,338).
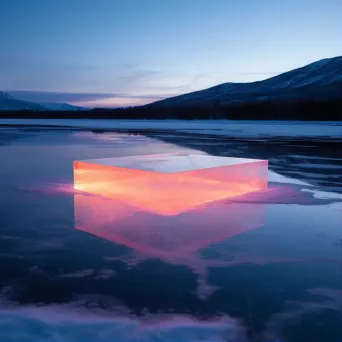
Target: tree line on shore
(306,110)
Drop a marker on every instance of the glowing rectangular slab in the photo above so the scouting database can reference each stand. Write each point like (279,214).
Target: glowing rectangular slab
(170,183)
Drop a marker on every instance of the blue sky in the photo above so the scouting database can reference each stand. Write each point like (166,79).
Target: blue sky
(128,52)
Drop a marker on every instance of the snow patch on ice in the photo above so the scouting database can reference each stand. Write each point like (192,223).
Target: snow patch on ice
(68,324)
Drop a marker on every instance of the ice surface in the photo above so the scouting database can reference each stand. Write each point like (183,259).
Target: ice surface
(214,127)
(170,184)
(72,323)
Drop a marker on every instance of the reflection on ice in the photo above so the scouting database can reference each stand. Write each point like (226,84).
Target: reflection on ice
(170,238)
(177,239)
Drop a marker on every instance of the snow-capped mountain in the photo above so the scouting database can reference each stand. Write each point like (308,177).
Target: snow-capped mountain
(322,78)
(7,102)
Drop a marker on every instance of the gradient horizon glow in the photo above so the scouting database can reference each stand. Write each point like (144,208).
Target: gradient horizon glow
(129,52)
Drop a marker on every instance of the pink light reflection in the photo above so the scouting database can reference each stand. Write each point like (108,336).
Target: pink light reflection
(174,239)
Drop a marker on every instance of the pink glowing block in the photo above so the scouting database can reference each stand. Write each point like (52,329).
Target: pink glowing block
(171,183)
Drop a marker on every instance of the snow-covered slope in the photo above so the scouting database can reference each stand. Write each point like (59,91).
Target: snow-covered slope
(322,78)
(7,102)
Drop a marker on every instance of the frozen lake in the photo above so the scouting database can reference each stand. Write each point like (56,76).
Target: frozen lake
(264,267)
(329,129)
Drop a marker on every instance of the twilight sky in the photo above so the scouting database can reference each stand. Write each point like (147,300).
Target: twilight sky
(129,52)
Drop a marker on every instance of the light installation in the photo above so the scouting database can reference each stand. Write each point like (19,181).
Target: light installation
(172,183)
(171,207)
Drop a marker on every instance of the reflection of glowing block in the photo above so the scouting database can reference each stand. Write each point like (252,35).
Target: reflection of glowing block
(170,184)
(169,238)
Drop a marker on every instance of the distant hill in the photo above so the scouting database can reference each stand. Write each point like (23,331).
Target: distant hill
(61,106)
(313,92)
(322,79)
(8,102)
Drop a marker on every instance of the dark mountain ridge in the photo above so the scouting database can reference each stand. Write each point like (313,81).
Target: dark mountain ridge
(322,78)
(313,92)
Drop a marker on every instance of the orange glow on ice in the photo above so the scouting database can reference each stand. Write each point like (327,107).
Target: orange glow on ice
(146,182)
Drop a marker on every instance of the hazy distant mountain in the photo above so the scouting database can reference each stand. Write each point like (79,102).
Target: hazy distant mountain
(60,106)
(7,102)
(320,79)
